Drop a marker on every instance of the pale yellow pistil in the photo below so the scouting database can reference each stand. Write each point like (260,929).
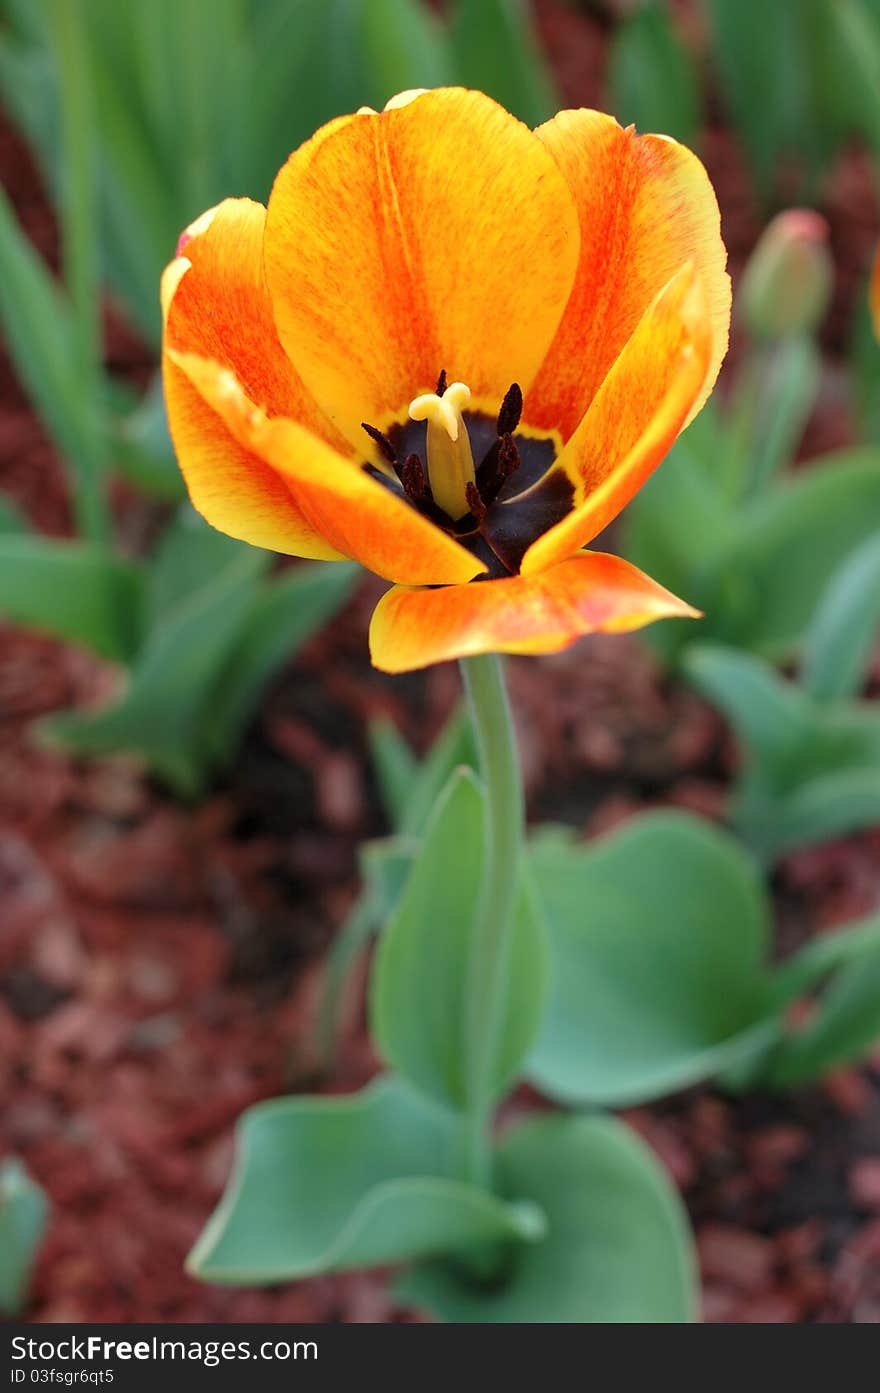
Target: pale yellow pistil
(450,462)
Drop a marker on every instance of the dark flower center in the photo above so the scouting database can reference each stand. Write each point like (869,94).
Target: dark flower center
(515,497)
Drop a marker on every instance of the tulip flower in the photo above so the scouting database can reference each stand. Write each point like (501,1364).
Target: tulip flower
(452,349)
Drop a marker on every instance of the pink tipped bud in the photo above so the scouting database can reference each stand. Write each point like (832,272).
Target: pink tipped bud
(786,286)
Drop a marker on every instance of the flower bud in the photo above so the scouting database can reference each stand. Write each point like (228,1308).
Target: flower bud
(786,286)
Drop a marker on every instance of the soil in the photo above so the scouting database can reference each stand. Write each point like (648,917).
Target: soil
(159,963)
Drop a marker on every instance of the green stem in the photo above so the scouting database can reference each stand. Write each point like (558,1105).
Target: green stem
(80,252)
(484,683)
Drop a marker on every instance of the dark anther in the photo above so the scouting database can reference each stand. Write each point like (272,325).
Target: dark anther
(511,410)
(412,476)
(474,501)
(508,456)
(441,382)
(382,441)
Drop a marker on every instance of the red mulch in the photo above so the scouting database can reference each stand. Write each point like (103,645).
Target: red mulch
(158,963)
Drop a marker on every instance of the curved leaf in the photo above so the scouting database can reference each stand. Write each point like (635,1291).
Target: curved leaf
(420,974)
(324,1184)
(659,935)
(617,1249)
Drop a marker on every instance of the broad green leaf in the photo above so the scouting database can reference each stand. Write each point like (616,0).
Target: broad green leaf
(659,935)
(23,1214)
(160,716)
(420,976)
(325,1184)
(495,50)
(282,617)
(653,77)
(75,591)
(617,1249)
(838,644)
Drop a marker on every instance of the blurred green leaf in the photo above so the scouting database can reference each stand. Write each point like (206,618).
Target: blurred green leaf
(12,519)
(839,641)
(657,974)
(495,50)
(652,76)
(421,972)
(846,1021)
(142,448)
(395,767)
(41,337)
(404,46)
(75,591)
(325,1184)
(809,771)
(160,716)
(618,1247)
(282,616)
(24,1210)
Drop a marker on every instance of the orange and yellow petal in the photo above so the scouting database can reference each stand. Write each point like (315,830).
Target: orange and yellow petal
(646,207)
(215,305)
(874,294)
(218,307)
(589,593)
(634,418)
(349,511)
(437,234)
(233,489)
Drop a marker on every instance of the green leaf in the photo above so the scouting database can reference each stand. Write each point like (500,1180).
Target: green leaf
(454,747)
(420,975)
(325,1184)
(839,641)
(143,452)
(160,717)
(75,591)
(659,934)
(845,1023)
(394,765)
(404,46)
(495,50)
(653,77)
(770,716)
(823,955)
(617,1249)
(41,337)
(283,615)
(830,805)
(24,1210)
(12,519)
(789,542)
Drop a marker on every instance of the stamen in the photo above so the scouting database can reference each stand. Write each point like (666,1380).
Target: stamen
(450,462)
(508,456)
(412,476)
(382,441)
(511,410)
(441,382)
(475,502)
